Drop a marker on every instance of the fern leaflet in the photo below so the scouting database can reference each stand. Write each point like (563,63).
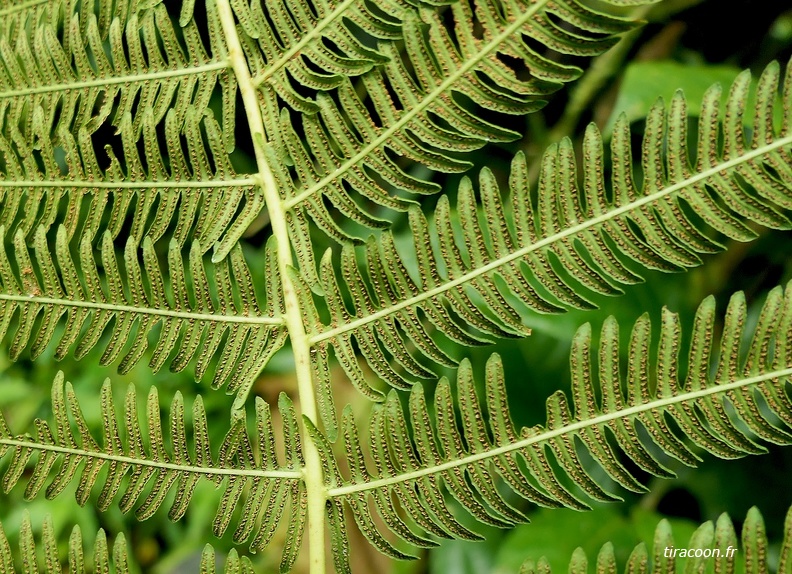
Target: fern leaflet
(185,306)
(255,480)
(102,558)
(575,240)
(464,461)
(425,97)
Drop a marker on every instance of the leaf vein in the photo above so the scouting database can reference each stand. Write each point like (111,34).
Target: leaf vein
(569,232)
(249,319)
(550,434)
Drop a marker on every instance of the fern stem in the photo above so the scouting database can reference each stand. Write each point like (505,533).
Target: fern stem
(136,462)
(312,472)
(83,184)
(98,82)
(549,240)
(550,434)
(213,317)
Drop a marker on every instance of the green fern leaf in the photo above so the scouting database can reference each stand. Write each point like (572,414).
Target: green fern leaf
(710,545)
(255,480)
(463,455)
(43,68)
(345,105)
(103,559)
(157,77)
(57,94)
(572,241)
(422,95)
(185,308)
(208,202)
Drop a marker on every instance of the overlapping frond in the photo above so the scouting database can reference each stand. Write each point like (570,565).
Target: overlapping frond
(64,69)
(59,97)
(142,466)
(103,559)
(709,545)
(25,559)
(315,44)
(203,310)
(723,406)
(190,187)
(435,77)
(13,13)
(550,250)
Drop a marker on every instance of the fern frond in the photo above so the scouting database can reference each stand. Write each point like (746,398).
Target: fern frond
(573,239)
(56,100)
(291,41)
(102,558)
(198,319)
(255,480)
(710,545)
(722,406)
(425,94)
(27,557)
(74,79)
(12,12)
(234,564)
(197,193)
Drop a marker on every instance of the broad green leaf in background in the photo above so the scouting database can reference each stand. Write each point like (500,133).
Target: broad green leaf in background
(645,82)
